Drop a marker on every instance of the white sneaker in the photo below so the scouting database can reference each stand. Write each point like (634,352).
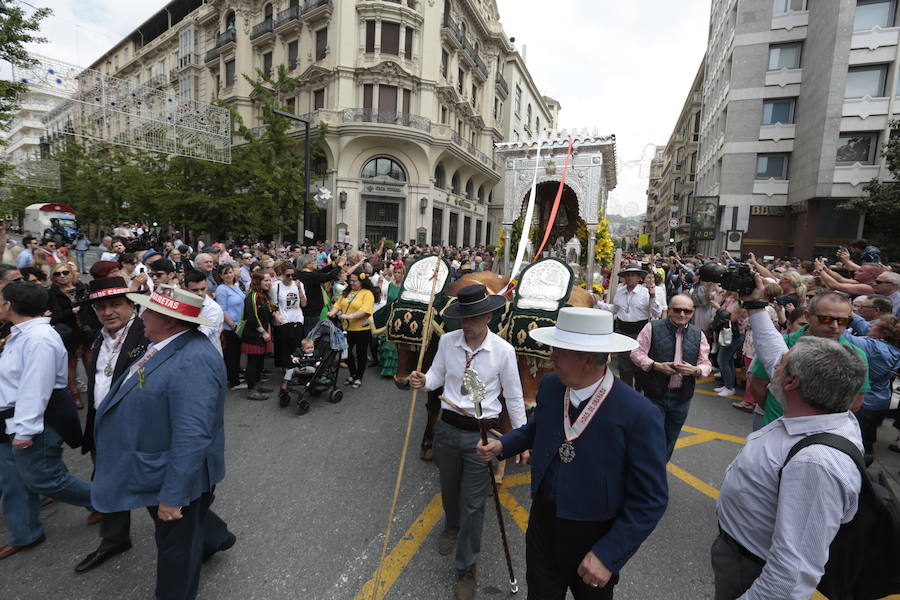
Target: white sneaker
(725,392)
(719,389)
(242,386)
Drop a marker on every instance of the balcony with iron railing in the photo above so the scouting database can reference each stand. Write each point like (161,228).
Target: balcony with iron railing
(228,37)
(188,60)
(455,35)
(212,55)
(261,29)
(286,16)
(386,117)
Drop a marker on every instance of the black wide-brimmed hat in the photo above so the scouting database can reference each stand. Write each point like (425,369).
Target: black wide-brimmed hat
(473,300)
(103,288)
(633,269)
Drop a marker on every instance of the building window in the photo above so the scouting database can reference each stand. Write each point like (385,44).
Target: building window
(445,115)
(772,166)
(368,93)
(383,167)
(408,50)
(460,81)
(470,190)
(518,101)
(857,148)
(478,232)
(454,184)
(370,36)
(229,73)
(445,61)
(437,224)
(387,98)
(453,230)
(293,52)
(780,110)
(186,87)
(440,177)
(390,38)
(783,6)
(528,116)
(873,13)
(319,99)
(321,43)
(784,56)
(537,124)
(866,81)
(407,101)
(467,231)
(290,105)
(267,64)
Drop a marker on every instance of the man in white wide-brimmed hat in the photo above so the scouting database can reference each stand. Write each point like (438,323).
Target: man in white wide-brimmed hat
(160,439)
(598,479)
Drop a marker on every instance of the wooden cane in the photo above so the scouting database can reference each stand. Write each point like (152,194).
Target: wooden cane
(426,337)
(513,584)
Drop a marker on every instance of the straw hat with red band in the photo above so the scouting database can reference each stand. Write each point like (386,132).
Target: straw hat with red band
(173,302)
(103,288)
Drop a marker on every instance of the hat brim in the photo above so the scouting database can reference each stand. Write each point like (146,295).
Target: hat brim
(144,301)
(458,311)
(616,342)
(641,271)
(86,301)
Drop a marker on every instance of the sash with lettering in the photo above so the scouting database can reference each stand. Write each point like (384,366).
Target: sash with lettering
(574,430)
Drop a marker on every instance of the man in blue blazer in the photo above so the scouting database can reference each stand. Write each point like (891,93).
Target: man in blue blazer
(598,474)
(160,440)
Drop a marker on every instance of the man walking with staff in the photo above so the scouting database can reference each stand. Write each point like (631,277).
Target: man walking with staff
(598,477)
(464,483)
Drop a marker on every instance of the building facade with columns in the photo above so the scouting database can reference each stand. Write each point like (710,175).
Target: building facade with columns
(412,92)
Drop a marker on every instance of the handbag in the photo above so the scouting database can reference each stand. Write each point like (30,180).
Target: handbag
(726,336)
(239,328)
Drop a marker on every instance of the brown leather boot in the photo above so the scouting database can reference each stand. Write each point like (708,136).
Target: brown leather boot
(466,585)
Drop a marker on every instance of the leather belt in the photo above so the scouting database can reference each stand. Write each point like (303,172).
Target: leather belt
(466,423)
(740,549)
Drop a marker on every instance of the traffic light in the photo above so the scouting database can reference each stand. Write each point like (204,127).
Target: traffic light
(671,236)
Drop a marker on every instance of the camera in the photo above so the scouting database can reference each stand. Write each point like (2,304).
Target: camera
(737,277)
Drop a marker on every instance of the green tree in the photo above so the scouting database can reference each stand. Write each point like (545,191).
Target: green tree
(881,206)
(16,30)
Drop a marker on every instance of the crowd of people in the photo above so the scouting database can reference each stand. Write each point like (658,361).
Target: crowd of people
(814,344)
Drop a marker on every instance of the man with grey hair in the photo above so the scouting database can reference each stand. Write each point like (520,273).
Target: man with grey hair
(776,524)
(867,310)
(206,264)
(888,284)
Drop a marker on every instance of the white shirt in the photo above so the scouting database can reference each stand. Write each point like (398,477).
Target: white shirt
(287,298)
(636,305)
(495,361)
(33,364)
(576,397)
(109,256)
(790,523)
(110,348)
(212,311)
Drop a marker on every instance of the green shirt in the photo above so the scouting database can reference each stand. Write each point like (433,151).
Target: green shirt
(773,406)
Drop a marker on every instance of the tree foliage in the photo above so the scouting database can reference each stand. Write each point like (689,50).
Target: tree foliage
(260,193)
(882,204)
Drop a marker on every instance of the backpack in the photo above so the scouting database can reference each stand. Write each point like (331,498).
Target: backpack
(862,558)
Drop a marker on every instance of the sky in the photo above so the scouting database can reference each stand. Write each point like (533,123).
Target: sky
(622,67)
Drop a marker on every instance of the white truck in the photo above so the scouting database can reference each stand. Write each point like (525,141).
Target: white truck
(50,220)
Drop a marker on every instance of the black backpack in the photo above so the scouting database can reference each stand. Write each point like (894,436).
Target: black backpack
(863,557)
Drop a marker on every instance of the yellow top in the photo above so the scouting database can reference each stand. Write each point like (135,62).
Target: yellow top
(363,300)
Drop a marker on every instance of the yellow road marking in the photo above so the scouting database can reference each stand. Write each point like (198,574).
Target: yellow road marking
(697,484)
(519,513)
(406,548)
(693,440)
(714,434)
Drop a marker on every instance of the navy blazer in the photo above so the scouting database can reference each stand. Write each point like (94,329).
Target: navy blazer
(619,471)
(163,442)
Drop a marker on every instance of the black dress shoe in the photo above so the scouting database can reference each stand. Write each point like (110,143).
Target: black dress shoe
(100,556)
(228,543)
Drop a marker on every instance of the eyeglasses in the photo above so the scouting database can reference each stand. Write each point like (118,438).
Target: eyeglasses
(58,273)
(862,306)
(682,311)
(826,320)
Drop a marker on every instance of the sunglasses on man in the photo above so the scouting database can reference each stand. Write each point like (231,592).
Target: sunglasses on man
(826,320)
(682,311)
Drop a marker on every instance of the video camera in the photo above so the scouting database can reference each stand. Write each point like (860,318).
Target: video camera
(737,277)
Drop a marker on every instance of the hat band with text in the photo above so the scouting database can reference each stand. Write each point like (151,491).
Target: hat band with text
(182,308)
(108,292)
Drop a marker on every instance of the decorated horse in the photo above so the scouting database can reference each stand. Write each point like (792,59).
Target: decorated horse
(543,288)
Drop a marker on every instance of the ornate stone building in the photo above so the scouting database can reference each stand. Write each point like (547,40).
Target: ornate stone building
(590,177)
(412,91)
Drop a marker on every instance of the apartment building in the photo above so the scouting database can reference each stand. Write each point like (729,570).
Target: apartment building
(23,135)
(797,102)
(413,93)
(654,206)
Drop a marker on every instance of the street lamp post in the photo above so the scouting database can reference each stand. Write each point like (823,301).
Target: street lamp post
(301,231)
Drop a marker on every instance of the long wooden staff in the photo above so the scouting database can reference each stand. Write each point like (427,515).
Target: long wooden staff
(426,337)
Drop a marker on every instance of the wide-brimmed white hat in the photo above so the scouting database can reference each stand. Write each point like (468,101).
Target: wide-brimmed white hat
(173,302)
(584,330)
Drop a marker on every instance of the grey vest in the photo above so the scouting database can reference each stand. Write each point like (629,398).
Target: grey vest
(662,349)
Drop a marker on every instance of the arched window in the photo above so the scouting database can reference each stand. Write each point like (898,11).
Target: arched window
(462,29)
(267,12)
(528,116)
(440,178)
(319,166)
(481,194)
(454,184)
(476,49)
(230,21)
(384,166)
(470,190)
(537,124)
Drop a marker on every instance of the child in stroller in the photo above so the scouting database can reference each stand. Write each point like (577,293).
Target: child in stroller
(305,358)
(317,362)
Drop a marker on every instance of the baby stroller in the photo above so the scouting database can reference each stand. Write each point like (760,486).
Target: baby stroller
(330,341)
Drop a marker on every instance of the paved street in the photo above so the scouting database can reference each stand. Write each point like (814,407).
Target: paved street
(308,497)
